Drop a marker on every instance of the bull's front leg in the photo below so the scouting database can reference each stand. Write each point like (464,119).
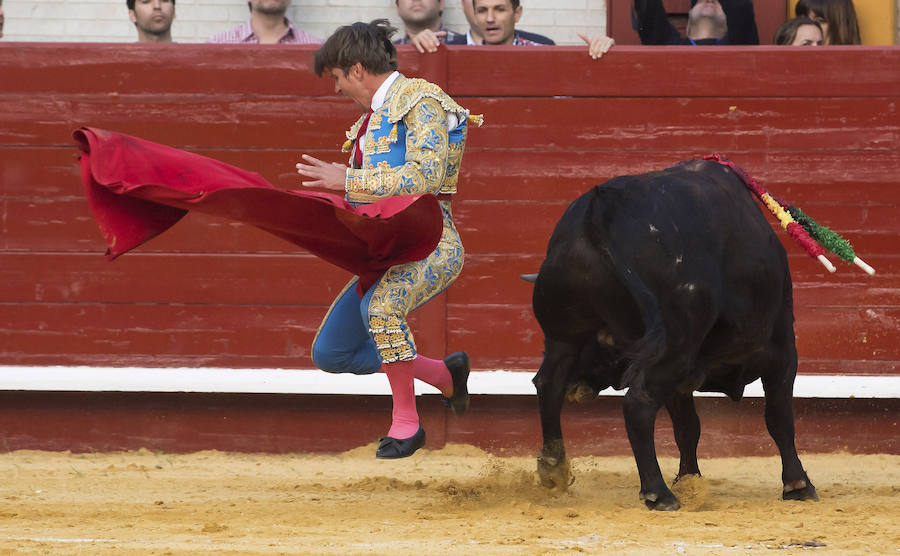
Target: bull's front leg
(780,423)
(551,382)
(686,426)
(640,419)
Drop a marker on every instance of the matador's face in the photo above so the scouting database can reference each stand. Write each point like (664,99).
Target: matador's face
(350,85)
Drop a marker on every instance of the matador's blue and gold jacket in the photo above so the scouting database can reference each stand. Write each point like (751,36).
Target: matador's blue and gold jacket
(408,148)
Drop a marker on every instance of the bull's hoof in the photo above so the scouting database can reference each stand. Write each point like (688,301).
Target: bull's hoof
(661,502)
(554,472)
(580,392)
(799,490)
(686,476)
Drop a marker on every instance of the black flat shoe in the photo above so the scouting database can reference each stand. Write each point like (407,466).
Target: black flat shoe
(458,365)
(396,448)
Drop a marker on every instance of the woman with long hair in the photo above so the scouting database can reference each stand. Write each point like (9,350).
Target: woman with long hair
(800,31)
(837,18)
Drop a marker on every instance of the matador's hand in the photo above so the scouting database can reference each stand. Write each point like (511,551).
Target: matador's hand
(327,175)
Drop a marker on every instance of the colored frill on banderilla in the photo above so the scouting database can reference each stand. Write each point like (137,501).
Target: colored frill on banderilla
(812,236)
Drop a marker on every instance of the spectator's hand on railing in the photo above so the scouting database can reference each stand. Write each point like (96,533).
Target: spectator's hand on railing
(427,40)
(328,175)
(598,46)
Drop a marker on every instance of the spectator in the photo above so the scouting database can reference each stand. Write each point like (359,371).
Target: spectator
(800,31)
(425,16)
(496,23)
(428,42)
(268,24)
(598,46)
(152,19)
(475,36)
(1,19)
(837,18)
(710,22)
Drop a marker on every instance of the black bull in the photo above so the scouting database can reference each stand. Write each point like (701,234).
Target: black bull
(666,283)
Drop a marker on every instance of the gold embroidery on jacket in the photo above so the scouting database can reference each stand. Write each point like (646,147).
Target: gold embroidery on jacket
(427,148)
(412,91)
(351,134)
(407,286)
(375,121)
(428,169)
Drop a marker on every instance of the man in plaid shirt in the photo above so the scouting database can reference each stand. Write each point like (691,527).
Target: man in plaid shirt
(268,24)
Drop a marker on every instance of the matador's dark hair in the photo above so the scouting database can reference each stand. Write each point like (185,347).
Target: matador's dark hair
(366,43)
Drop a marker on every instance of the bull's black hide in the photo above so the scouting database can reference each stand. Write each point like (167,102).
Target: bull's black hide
(666,283)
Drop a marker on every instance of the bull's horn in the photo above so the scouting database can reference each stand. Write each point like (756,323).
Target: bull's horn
(528,277)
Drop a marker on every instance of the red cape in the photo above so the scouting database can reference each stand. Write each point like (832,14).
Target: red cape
(137,189)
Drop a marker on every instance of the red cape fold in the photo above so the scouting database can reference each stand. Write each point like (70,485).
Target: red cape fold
(137,189)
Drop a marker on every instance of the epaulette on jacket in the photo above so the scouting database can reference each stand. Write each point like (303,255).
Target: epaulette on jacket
(411,91)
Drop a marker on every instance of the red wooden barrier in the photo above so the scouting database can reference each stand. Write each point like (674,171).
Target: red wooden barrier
(820,127)
(505,425)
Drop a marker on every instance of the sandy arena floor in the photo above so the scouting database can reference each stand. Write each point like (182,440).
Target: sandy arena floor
(459,500)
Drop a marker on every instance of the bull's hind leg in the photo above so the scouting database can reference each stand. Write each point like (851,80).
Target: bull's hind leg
(780,370)
(686,426)
(780,422)
(551,383)
(640,418)
(778,364)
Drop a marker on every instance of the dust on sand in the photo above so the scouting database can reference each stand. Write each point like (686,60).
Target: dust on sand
(458,500)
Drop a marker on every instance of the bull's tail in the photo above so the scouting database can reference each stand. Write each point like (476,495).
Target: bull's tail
(812,236)
(650,349)
(647,351)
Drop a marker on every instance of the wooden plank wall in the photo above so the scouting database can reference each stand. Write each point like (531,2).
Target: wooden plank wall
(820,127)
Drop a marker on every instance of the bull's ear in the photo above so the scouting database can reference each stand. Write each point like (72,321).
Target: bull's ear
(528,277)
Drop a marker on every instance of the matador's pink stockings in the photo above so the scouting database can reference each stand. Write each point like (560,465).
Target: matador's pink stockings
(404,417)
(433,372)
